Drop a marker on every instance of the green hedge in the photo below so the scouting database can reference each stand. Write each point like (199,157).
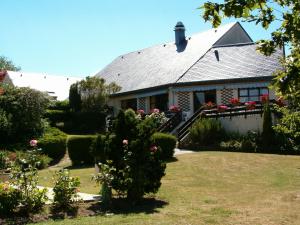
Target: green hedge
(166,142)
(53,144)
(79,149)
(55,116)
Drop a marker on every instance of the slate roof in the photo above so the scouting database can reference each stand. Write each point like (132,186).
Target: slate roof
(161,64)
(57,86)
(232,62)
(168,64)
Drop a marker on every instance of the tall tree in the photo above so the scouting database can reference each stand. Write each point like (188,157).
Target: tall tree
(6,64)
(265,13)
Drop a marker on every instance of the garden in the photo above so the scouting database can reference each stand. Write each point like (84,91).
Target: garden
(130,157)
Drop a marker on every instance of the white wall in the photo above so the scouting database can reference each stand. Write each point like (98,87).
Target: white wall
(241,124)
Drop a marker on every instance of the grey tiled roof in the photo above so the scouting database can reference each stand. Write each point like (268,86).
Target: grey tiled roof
(161,64)
(196,62)
(235,62)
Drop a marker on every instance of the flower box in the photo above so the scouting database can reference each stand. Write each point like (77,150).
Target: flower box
(250,105)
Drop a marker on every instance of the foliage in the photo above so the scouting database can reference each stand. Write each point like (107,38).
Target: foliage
(10,198)
(60,105)
(75,98)
(4,160)
(105,177)
(53,143)
(22,110)
(33,157)
(79,149)
(85,122)
(167,144)
(267,132)
(56,115)
(6,64)
(93,93)
(25,179)
(137,167)
(206,131)
(265,12)
(288,130)
(65,189)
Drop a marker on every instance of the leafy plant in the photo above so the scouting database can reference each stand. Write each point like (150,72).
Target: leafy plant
(65,189)
(25,179)
(10,198)
(206,131)
(167,144)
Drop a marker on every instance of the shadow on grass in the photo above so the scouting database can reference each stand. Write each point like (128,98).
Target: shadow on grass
(79,167)
(124,206)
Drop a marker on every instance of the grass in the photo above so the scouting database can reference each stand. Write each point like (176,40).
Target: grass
(213,188)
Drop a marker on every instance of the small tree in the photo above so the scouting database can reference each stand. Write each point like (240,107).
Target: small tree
(74,98)
(267,132)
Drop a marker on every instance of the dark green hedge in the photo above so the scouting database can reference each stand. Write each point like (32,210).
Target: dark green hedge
(56,116)
(79,149)
(166,142)
(53,144)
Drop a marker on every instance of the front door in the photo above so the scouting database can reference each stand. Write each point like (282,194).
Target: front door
(202,97)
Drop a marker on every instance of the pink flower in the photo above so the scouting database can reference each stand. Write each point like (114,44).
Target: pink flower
(174,108)
(153,148)
(140,111)
(125,142)
(33,143)
(222,108)
(155,110)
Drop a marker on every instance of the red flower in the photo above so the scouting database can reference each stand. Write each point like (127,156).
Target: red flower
(264,98)
(250,105)
(234,101)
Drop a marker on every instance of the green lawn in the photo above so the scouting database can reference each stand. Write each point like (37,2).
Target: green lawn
(214,188)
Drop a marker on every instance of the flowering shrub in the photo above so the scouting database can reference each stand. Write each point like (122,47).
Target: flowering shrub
(235,101)
(135,166)
(174,108)
(10,198)
(65,189)
(222,108)
(250,105)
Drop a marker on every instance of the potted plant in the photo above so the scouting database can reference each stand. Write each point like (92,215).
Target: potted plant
(250,105)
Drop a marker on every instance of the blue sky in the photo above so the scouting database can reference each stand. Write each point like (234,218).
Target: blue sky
(80,37)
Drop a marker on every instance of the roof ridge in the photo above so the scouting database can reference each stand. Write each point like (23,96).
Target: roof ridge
(187,38)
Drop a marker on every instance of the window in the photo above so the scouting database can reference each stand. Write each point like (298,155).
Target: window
(252,94)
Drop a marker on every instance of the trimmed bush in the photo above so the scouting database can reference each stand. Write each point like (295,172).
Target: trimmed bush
(53,144)
(206,131)
(56,116)
(167,144)
(79,149)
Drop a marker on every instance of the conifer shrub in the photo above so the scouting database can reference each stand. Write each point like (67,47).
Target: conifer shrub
(79,149)
(166,143)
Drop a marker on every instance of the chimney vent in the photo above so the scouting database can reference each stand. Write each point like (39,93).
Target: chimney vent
(179,33)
